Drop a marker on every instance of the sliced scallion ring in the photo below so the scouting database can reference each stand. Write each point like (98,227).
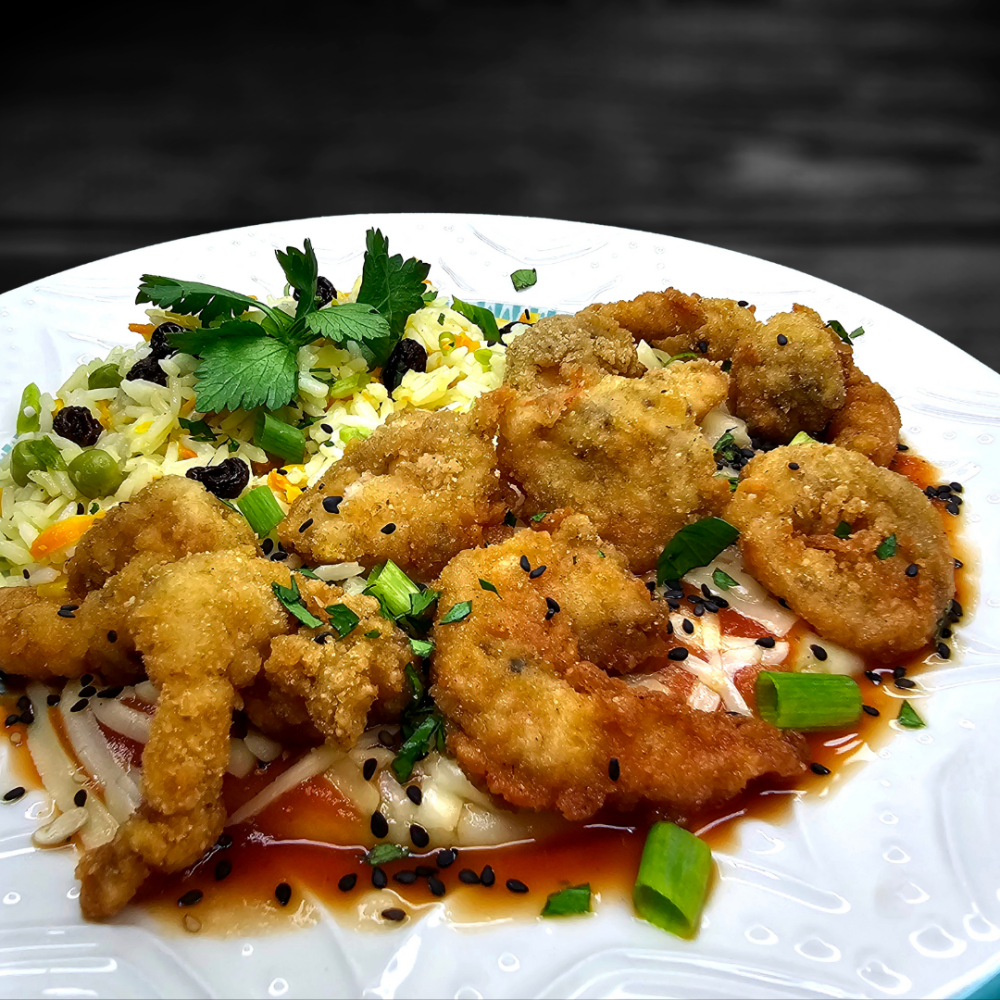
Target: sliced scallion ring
(673,879)
(807,701)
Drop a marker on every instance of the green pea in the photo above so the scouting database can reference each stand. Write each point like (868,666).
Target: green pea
(105,377)
(95,473)
(33,456)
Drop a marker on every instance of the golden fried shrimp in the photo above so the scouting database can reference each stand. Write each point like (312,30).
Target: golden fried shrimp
(627,452)
(172,517)
(557,346)
(420,489)
(869,420)
(538,723)
(787,376)
(339,680)
(787,518)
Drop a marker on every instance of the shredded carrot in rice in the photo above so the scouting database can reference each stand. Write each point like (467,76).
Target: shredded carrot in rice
(62,534)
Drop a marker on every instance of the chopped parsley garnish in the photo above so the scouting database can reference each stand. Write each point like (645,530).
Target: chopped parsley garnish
(422,647)
(734,481)
(233,445)
(95,507)
(727,365)
(540,516)
(382,854)
(567,902)
(726,448)
(908,717)
(723,580)
(483,318)
(843,530)
(422,726)
(198,430)
(510,519)
(343,619)
(887,548)
(422,603)
(292,601)
(838,329)
(524,278)
(307,573)
(457,612)
(390,285)
(486,585)
(373,634)
(694,545)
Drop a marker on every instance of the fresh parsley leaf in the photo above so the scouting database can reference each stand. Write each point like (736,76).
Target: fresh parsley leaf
(357,322)
(486,585)
(887,548)
(908,717)
(417,686)
(198,430)
(429,296)
(843,530)
(457,612)
(838,329)
(393,286)
(694,545)
(416,746)
(483,318)
(734,481)
(246,372)
(524,278)
(539,517)
(301,270)
(307,573)
(726,448)
(233,445)
(343,619)
(723,580)
(196,342)
(382,854)
(291,599)
(567,902)
(373,634)
(194,298)
(422,647)
(421,603)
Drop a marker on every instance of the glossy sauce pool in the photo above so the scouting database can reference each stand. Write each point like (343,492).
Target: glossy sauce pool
(300,840)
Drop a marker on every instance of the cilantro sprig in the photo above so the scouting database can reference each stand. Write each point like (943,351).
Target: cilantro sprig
(248,349)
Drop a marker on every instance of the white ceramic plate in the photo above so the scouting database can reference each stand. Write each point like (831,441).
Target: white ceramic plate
(888,887)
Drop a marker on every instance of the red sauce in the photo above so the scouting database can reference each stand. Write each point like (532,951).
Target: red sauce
(313,837)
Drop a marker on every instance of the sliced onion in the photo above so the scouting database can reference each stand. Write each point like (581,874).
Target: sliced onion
(241,760)
(712,675)
(59,772)
(313,763)
(121,795)
(122,719)
(261,747)
(838,660)
(336,572)
(147,691)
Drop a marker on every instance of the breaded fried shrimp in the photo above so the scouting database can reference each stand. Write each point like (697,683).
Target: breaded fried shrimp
(420,489)
(538,723)
(626,452)
(788,507)
(171,518)
(869,420)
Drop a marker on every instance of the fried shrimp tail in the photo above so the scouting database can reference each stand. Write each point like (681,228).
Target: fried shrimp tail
(815,527)
(538,724)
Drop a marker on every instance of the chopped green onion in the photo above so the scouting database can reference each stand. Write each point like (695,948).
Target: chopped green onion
(908,717)
(540,516)
(343,619)
(843,530)
(278,438)
(307,573)
(681,356)
(457,612)
(291,600)
(673,878)
(803,438)
(415,747)
(261,510)
(723,580)
(382,854)
(105,377)
(887,548)
(392,588)
(421,603)
(840,331)
(524,278)
(446,342)
(422,647)
(31,405)
(348,386)
(567,902)
(417,685)
(807,701)
(486,585)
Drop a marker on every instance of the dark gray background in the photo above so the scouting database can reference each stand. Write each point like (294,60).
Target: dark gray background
(856,141)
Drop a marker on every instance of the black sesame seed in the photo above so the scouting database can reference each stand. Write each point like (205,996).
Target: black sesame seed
(446,857)
(899,671)
(419,836)
(27,716)
(870,710)
(224,842)
(525,565)
(537,572)
(783,603)
(516,885)
(468,876)
(688,625)
(873,677)
(957,487)
(267,546)
(13,719)
(930,491)
(279,556)
(88,692)
(326,428)
(553,607)
(80,798)
(766,641)
(902,447)
(80,509)
(23,702)
(394,913)
(820,769)
(112,636)
(323,638)
(794,466)
(782,340)
(414,794)
(677,653)
(711,606)
(368,770)
(25,574)
(223,869)
(379,878)
(66,611)
(405,877)
(614,769)
(379,825)
(52,700)
(387,739)
(952,507)
(425,871)
(699,610)
(905,683)
(945,633)
(955,609)
(958,563)
(86,679)
(912,570)
(283,893)
(673,603)
(818,651)
(388,529)
(943,651)
(348,882)
(305,525)
(332,504)
(191,897)
(435,885)
(670,628)
(14,794)
(702,346)
(80,705)
(487,876)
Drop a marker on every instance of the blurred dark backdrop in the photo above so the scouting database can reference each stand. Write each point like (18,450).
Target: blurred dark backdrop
(857,141)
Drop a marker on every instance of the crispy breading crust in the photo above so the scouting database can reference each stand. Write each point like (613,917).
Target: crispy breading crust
(787,518)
